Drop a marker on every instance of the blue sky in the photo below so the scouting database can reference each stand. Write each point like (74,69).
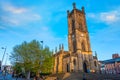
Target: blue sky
(46,20)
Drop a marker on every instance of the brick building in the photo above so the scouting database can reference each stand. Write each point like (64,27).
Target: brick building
(111,66)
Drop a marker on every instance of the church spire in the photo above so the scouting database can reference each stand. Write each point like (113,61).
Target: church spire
(83,9)
(59,47)
(74,5)
(62,47)
(55,49)
(68,12)
(95,54)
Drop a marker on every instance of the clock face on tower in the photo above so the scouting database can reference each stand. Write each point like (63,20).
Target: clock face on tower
(73,37)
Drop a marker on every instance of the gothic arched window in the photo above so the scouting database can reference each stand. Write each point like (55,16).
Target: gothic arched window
(74,45)
(95,63)
(83,46)
(74,62)
(57,60)
(73,25)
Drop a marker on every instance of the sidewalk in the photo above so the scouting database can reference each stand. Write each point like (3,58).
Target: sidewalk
(19,79)
(9,77)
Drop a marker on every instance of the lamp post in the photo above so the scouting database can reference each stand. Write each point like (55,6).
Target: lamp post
(3,55)
(41,43)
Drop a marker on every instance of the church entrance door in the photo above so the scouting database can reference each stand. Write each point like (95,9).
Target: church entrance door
(74,62)
(85,67)
(68,69)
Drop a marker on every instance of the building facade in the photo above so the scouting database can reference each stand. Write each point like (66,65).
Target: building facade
(111,66)
(116,55)
(79,57)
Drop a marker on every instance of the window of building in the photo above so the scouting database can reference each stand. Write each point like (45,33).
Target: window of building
(73,37)
(83,46)
(74,62)
(57,60)
(73,25)
(95,63)
(74,45)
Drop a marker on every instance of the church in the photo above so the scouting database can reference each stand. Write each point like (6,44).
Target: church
(79,57)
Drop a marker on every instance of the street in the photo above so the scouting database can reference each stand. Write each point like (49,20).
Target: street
(8,77)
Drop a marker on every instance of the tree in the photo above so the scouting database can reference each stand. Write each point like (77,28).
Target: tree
(47,61)
(32,57)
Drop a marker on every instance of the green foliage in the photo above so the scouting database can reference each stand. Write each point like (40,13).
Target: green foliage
(32,57)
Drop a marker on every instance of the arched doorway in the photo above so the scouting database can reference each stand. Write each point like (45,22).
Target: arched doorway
(68,69)
(85,67)
(74,63)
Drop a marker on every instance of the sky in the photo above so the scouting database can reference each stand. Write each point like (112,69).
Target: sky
(46,20)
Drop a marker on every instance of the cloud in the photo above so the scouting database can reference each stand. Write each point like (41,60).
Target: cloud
(109,32)
(109,17)
(105,26)
(16,15)
(9,20)
(13,9)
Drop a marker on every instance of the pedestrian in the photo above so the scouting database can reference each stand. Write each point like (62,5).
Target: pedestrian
(84,78)
(13,74)
(16,76)
(4,73)
(35,78)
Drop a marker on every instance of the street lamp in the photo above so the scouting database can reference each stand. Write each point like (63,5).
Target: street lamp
(41,43)
(3,55)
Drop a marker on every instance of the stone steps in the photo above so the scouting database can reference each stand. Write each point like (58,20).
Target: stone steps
(80,76)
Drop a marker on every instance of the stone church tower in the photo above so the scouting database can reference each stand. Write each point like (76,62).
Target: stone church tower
(79,57)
